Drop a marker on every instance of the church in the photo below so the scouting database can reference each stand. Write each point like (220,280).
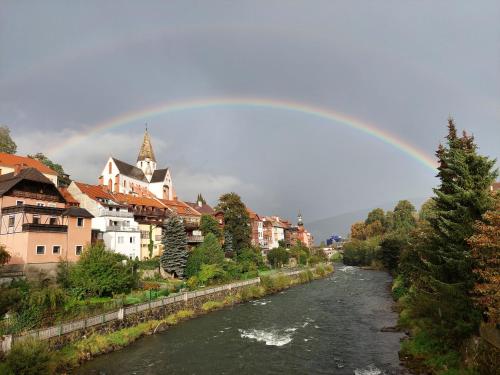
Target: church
(143,179)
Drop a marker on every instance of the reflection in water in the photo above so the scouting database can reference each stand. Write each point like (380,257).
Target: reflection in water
(330,326)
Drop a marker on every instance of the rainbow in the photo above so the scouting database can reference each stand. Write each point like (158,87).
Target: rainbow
(259,103)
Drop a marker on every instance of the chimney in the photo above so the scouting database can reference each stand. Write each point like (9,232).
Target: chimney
(18,168)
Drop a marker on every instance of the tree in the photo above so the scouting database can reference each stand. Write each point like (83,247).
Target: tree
(236,220)
(250,258)
(228,243)
(200,198)
(443,276)
(373,229)
(403,217)
(358,231)
(208,224)
(391,247)
(209,252)
(278,257)
(376,215)
(4,256)
(62,177)
(7,145)
(485,244)
(100,272)
(174,257)
(428,210)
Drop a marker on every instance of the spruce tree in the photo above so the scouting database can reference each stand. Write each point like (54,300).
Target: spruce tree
(228,243)
(444,277)
(174,257)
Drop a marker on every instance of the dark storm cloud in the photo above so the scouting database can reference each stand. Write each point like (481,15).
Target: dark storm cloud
(404,66)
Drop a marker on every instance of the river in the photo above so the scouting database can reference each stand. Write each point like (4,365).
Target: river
(330,326)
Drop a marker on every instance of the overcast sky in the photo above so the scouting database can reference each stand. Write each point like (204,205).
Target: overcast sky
(404,66)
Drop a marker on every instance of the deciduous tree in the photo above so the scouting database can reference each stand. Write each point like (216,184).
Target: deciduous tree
(7,145)
(208,224)
(236,220)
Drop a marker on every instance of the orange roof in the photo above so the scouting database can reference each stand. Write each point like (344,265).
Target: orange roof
(180,207)
(252,214)
(495,186)
(94,191)
(13,160)
(68,197)
(138,201)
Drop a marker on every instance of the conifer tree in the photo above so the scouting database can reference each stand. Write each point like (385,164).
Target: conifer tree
(228,242)
(444,277)
(174,257)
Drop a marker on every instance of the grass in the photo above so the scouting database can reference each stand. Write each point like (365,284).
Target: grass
(212,305)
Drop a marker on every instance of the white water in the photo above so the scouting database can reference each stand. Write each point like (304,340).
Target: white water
(271,337)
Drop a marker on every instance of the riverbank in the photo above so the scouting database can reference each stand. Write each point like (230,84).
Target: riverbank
(65,357)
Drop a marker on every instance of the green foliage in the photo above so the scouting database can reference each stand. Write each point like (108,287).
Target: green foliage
(300,252)
(62,177)
(228,244)
(391,247)
(376,215)
(250,292)
(250,259)
(236,220)
(149,264)
(100,272)
(361,253)
(210,225)
(209,252)
(192,282)
(174,257)
(29,357)
(278,257)
(212,305)
(9,297)
(64,273)
(7,145)
(403,217)
(210,274)
(200,198)
(273,284)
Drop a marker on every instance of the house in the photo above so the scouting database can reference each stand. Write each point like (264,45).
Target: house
(112,223)
(9,163)
(205,209)
(274,231)
(190,217)
(142,179)
(257,226)
(150,213)
(495,186)
(37,227)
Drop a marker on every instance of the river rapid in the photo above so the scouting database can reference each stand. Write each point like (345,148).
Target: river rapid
(330,326)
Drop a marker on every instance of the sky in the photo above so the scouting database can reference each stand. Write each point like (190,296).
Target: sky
(402,66)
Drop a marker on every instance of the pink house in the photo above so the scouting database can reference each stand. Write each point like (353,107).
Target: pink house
(36,226)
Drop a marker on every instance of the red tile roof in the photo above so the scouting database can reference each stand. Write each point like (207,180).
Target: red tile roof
(204,209)
(180,207)
(495,186)
(68,197)
(252,214)
(138,201)
(13,160)
(95,192)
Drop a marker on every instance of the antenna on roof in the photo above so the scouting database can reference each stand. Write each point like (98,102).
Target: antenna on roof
(146,125)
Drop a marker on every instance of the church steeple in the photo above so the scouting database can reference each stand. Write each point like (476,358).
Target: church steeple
(299,220)
(146,151)
(146,159)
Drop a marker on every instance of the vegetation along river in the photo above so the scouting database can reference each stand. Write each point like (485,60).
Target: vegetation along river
(330,326)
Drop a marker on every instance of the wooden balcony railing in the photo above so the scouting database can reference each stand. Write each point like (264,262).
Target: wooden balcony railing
(51,228)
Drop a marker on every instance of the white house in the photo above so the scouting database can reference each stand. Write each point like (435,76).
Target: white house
(143,179)
(112,222)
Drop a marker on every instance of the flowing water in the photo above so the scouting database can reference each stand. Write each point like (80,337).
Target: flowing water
(330,326)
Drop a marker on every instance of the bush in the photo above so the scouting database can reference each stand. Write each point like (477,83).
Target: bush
(209,252)
(306,276)
(149,264)
(251,291)
(100,272)
(210,274)
(275,283)
(361,253)
(184,314)
(278,257)
(29,357)
(320,270)
(192,282)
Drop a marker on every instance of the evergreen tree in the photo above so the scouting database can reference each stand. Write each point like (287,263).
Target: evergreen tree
(209,224)
(236,220)
(200,198)
(228,243)
(7,145)
(174,257)
(444,277)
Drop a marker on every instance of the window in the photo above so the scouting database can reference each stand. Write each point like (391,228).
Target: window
(40,249)
(120,239)
(36,219)
(79,221)
(40,204)
(56,249)
(19,203)
(53,221)
(78,249)
(132,240)
(11,220)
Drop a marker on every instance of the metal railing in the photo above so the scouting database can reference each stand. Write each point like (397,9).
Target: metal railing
(107,213)
(121,228)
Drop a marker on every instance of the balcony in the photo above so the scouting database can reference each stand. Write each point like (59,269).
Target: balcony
(194,239)
(107,213)
(121,228)
(32,209)
(48,228)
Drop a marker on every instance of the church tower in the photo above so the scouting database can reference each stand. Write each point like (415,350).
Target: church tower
(300,223)
(146,159)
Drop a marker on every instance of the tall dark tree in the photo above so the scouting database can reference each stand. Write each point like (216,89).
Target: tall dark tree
(174,257)
(209,224)
(444,276)
(228,243)
(236,220)
(200,198)
(7,145)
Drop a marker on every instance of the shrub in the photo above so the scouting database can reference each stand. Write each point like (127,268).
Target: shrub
(320,270)
(209,252)
(275,283)
(149,264)
(329,268)
(171,319)
(232,299)
(184,314)
(29,357)
(212,305)
(193,282)
(278,256)
(251,291)
(210,273)
(305,276)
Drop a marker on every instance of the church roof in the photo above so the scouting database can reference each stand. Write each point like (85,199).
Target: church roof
(130,170)
(146,149)
(159,175)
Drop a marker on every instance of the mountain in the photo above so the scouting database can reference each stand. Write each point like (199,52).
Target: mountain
(341,224)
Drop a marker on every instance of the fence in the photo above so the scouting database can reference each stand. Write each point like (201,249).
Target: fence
(46,333)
